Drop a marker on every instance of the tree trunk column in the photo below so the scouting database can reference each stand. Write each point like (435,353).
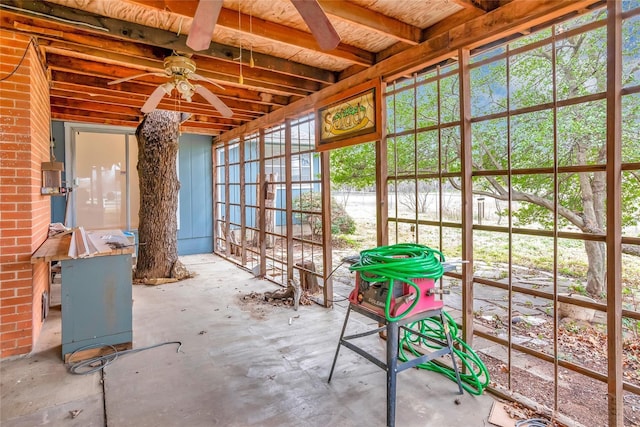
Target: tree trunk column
(157,156)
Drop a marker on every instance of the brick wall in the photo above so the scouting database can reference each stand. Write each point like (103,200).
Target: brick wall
(24,213)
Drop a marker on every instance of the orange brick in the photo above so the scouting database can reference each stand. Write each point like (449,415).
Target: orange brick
(9,345)
(25,308)
(26,324)
(9,327)
(6,259)
(26,342)
(5,242)
(17,301)
(15,335)
(7,293)
(5,276)
(23,274)
(8,351)
(23,291)
(17,317)
(7,310)
(16,250)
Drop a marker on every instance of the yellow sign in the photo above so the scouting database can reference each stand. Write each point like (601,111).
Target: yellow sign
(351,119)
(348,117)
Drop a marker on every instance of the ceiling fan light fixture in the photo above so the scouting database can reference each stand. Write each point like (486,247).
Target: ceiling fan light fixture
(167,87)
(184,87)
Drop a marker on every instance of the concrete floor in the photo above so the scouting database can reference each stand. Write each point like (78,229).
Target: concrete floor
(240,364)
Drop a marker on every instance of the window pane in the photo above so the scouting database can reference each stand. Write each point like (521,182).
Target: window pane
(489,144)
(427,104)
(631,202)
(427,152)
(404,110)
(450,142)
(488,209)
(581,67)
(582,134)
(631,128)
(533,201)
(451,200)
(582,199)
(489,89)
(531,78)
(450,99)
(532,140)
(428,199)
(630,52)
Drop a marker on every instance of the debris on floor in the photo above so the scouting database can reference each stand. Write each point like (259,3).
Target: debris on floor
(512,414)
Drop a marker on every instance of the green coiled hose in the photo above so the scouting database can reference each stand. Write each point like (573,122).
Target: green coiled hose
(473,373)
(406,261)
(401,262)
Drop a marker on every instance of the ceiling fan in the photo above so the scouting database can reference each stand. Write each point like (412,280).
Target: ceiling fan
(180,69)
(207,13)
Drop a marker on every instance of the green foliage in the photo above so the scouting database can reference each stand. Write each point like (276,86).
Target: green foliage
(353,166)
(310,205)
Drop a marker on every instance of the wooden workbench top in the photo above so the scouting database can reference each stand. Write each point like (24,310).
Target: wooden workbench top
(105,242)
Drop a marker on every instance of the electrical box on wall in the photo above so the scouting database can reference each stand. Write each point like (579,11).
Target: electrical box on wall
(52,179)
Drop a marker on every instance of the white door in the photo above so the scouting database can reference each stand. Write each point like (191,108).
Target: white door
(106,191)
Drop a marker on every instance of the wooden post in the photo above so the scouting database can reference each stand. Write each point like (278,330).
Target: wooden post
(308,280)
(467,197)
(269,194)
(615,378)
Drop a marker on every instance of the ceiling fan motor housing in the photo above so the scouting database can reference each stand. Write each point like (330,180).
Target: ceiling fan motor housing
(180,65)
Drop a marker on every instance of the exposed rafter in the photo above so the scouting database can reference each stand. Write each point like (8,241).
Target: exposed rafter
(89,44)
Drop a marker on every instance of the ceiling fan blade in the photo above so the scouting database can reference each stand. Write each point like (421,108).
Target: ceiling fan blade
(153,100)
(318,22)
(195,76)
(124,79)
(215,101)
(204,21)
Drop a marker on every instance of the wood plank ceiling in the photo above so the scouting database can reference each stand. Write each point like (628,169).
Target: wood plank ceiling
(262,53)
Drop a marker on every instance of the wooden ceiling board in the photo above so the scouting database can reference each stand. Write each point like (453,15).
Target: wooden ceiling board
(290,52)
(361,37)
(89,43)
(420,13)
(280,11)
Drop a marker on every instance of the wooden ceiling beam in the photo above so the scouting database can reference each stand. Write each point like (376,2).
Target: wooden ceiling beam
(372,20)
(109,73)
(230,92)
(135,116)
(511,18)
(226,73)
(91,23)
(464,15)
(63,75)
(243,23)
(149,58)
(89,111)
(186,127)
(74,100)
(77,92)
(79,118)
(482,6)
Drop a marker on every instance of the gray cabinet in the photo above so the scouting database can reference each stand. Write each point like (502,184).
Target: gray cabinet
(96,302)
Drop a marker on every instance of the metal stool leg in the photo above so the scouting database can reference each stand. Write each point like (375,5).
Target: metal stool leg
(392,371)
(447,333)
(335,358)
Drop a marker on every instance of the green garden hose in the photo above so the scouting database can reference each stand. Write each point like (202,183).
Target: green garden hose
(402,263)
(473,373)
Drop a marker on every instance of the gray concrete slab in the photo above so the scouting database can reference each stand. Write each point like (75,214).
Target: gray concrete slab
(240,364)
